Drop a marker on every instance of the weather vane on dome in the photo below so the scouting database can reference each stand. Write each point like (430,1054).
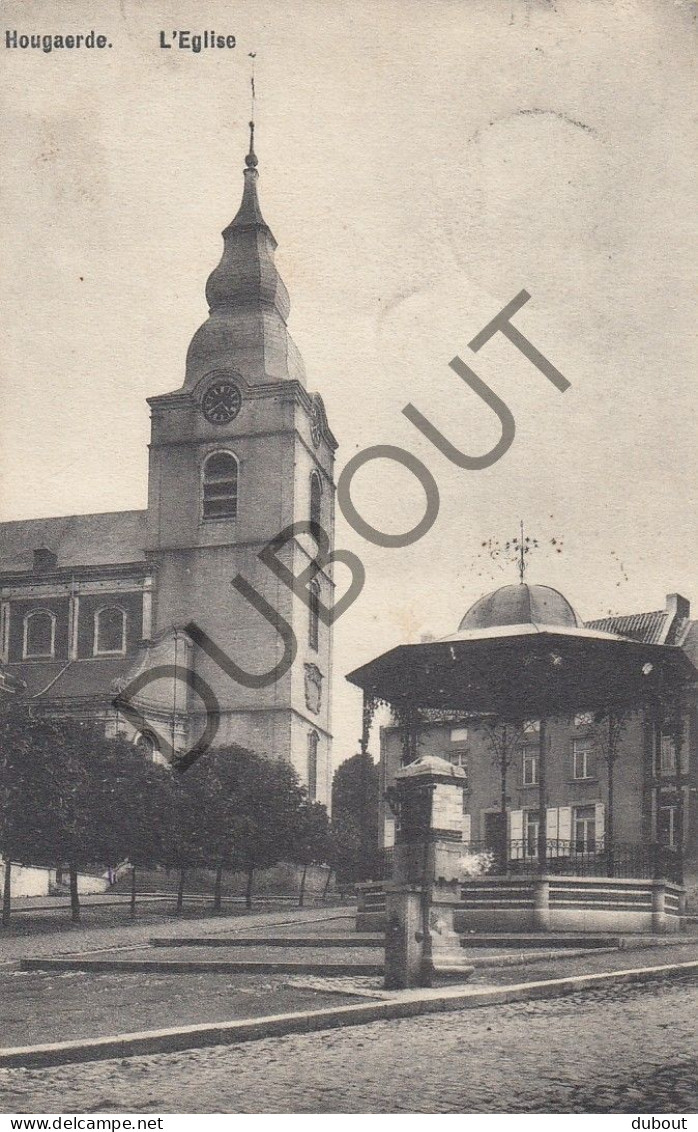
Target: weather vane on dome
(522,546)
(517,550)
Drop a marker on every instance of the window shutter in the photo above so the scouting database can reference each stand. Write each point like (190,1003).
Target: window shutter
(564,826)
(466,829)
(516,834)
(551,830)
(600,818)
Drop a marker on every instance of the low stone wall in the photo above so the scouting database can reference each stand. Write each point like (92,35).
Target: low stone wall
(548,903)
(37,880)
(578,904)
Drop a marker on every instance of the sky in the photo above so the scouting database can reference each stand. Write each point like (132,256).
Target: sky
(420,165)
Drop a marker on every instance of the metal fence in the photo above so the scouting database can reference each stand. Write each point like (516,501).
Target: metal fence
(563,858)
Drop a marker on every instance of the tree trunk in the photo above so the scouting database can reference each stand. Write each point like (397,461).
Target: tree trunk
(74,897)
(327,885)
(301,894)
(217,889)
(6,895)
(180,890)
(248,890)
(133,891)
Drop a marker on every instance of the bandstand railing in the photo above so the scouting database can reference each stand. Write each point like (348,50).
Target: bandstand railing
(563,858)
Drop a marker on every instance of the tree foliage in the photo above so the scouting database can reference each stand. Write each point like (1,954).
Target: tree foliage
(70,797)
(355,820)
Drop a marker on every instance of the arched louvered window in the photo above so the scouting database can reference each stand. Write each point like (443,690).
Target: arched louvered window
(39,634)
(313,615)
(110,630)
(313,740)
(315,498)
(220,486)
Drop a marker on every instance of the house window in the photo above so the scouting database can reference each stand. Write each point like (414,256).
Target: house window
(584,828)
(314,615)
(531,830)
(459,734)
(584,719)
(667,826)
(39,634)
(583,762)
(315,498)
(220,486)
(667,755)
(110,631)
(313,740)
(530,768)
(459,758)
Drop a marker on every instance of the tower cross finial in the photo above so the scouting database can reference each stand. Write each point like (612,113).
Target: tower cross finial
(251,159)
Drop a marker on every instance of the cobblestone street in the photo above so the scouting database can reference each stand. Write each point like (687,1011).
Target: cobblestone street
(626,1049)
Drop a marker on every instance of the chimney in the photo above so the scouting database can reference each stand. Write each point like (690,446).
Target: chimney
(44,559)
(677,606)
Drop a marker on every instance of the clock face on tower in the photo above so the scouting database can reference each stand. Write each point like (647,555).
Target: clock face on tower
(221,402)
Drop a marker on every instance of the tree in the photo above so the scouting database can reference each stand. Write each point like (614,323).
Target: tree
(213,785)
(311,840)
(269,798)
(238,810)
(355,819)
(26,795)
(505,741)
(71,796)
(610,724)
(186,836)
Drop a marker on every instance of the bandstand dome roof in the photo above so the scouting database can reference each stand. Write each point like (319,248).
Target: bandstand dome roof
(522,604)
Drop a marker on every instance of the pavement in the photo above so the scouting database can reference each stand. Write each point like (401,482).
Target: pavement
(42,938)
(625,1049)
(181,993)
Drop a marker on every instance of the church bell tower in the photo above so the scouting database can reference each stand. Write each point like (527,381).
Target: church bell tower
(238,454)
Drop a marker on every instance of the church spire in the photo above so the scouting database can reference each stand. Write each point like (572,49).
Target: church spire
(248,302)
(249,212)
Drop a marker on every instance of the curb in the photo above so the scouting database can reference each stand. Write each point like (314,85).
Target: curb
(409,1004)
(316,941)
(222,966)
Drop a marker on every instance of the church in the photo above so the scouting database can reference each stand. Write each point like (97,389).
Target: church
(165,623)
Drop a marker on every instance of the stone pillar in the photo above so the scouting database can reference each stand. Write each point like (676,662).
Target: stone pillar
(421,944)
(403,937)
(658,912)
(541,904)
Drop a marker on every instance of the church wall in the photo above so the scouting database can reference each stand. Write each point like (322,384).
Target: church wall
(266,733)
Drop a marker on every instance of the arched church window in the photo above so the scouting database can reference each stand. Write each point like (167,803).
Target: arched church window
(315,498)
(313,615)
(110,630)
(220,486)
(313,740)
(39,634)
